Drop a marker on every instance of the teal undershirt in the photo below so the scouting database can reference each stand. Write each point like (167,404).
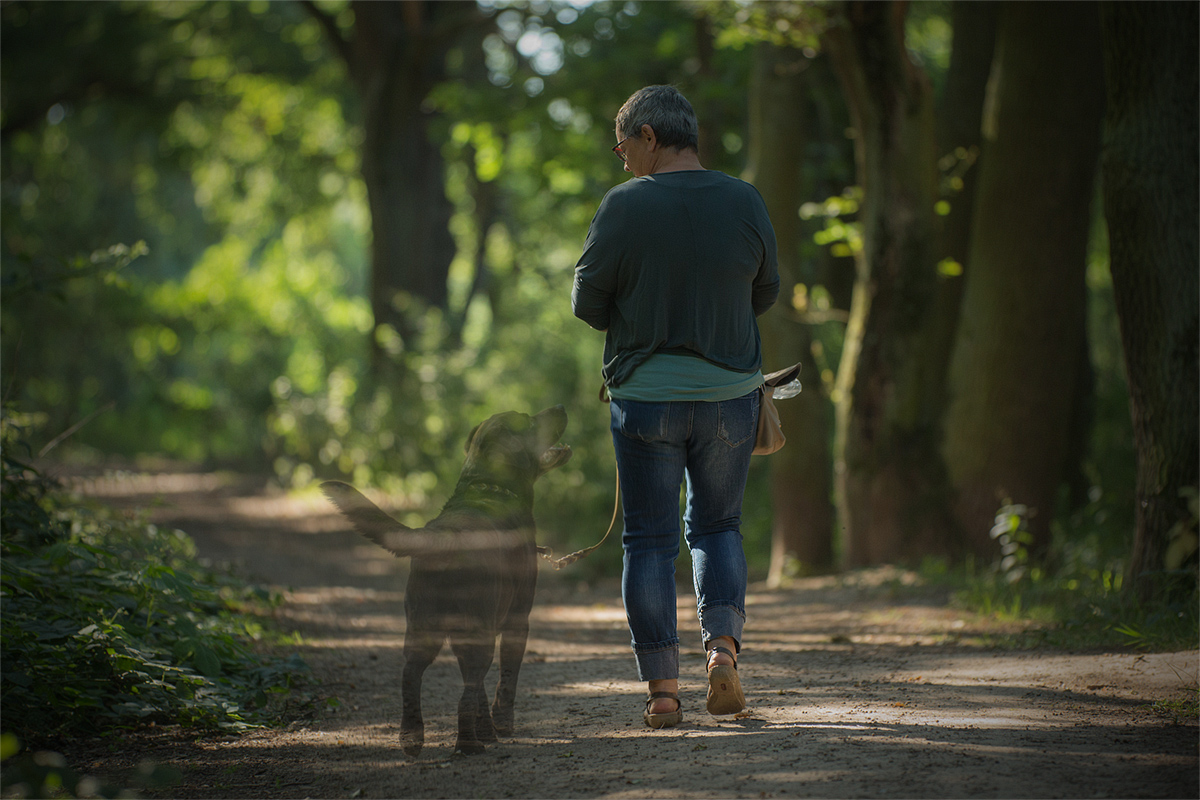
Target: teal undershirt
(667,377)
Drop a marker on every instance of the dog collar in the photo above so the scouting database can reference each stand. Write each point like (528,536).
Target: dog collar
(491,487)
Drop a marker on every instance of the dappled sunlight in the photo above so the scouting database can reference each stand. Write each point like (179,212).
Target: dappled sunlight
(384,642)
(282,507)
(576,689)
(596,614)
(119,483)
(580,650)
(840,726)
(872,713)
(326,595)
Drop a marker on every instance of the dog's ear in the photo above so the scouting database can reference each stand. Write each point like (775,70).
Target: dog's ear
(471,438)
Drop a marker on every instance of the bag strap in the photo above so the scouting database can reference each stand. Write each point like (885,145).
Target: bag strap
(783,376)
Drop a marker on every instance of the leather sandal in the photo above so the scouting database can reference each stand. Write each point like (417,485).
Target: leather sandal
(668,719)
(724,687)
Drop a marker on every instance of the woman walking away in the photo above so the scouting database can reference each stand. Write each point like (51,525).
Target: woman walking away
(678,263)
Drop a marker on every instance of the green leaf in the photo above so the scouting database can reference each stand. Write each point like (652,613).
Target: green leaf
(207,663)
(949,268)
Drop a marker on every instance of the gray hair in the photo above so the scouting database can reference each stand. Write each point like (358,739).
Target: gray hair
(666,111)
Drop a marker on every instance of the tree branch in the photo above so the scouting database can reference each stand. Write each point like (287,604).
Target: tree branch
(332,32)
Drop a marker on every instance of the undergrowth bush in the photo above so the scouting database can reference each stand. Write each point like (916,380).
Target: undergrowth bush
(1076,596)
(109,623)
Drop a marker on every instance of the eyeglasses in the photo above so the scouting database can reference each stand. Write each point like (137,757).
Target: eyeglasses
(617,147)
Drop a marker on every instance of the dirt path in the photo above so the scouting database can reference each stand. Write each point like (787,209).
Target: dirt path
(861,686)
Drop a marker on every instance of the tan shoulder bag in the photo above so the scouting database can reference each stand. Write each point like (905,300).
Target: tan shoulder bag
(770,432)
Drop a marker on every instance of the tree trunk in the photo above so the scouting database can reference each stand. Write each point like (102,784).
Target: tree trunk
(960,140)
(395,56)
(1016,359)
(1150,198)
(802,511)
(711,149)
(889,481)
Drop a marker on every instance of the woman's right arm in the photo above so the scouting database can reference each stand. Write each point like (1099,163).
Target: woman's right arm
(595,283)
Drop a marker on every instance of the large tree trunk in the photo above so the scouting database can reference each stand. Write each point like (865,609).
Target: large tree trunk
(1151,136)
(399,57)
(960,140)
(396,55)
(888,476)
(802,518)
(1016,359)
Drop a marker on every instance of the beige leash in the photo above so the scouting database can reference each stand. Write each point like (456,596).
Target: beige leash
(571,558)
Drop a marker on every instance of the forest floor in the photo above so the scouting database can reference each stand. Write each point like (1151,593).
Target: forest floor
(867,684)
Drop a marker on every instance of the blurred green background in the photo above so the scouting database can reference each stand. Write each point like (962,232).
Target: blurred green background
(188,236)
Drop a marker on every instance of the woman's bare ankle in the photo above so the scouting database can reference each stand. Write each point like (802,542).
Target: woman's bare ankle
(663,705)
(716,659)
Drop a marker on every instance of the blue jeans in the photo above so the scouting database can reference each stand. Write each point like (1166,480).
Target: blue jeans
(658,446)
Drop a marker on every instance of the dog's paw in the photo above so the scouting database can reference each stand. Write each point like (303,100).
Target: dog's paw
(503,721)
(412,741)
(470,748)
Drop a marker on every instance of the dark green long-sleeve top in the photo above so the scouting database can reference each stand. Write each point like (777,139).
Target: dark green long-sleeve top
(681,263)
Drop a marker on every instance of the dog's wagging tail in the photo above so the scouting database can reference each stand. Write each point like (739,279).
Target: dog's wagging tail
(372,522)
(474,570)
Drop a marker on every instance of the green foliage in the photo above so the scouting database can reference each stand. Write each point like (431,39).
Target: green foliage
(1073,597)
(239,334)
(1185,711)
(226,137)
(45,773)
(1011,532)
(929,35)
(779,22)
(223,144)
(844,237)
(109,622)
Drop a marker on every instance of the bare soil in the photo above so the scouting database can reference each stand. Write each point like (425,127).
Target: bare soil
(861,685)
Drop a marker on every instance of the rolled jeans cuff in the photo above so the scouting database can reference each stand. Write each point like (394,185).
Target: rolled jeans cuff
(722,620)
(657,662)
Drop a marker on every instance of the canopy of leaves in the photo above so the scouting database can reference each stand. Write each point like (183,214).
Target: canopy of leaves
(186,233)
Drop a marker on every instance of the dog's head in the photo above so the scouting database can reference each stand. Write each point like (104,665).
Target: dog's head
(516,448)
